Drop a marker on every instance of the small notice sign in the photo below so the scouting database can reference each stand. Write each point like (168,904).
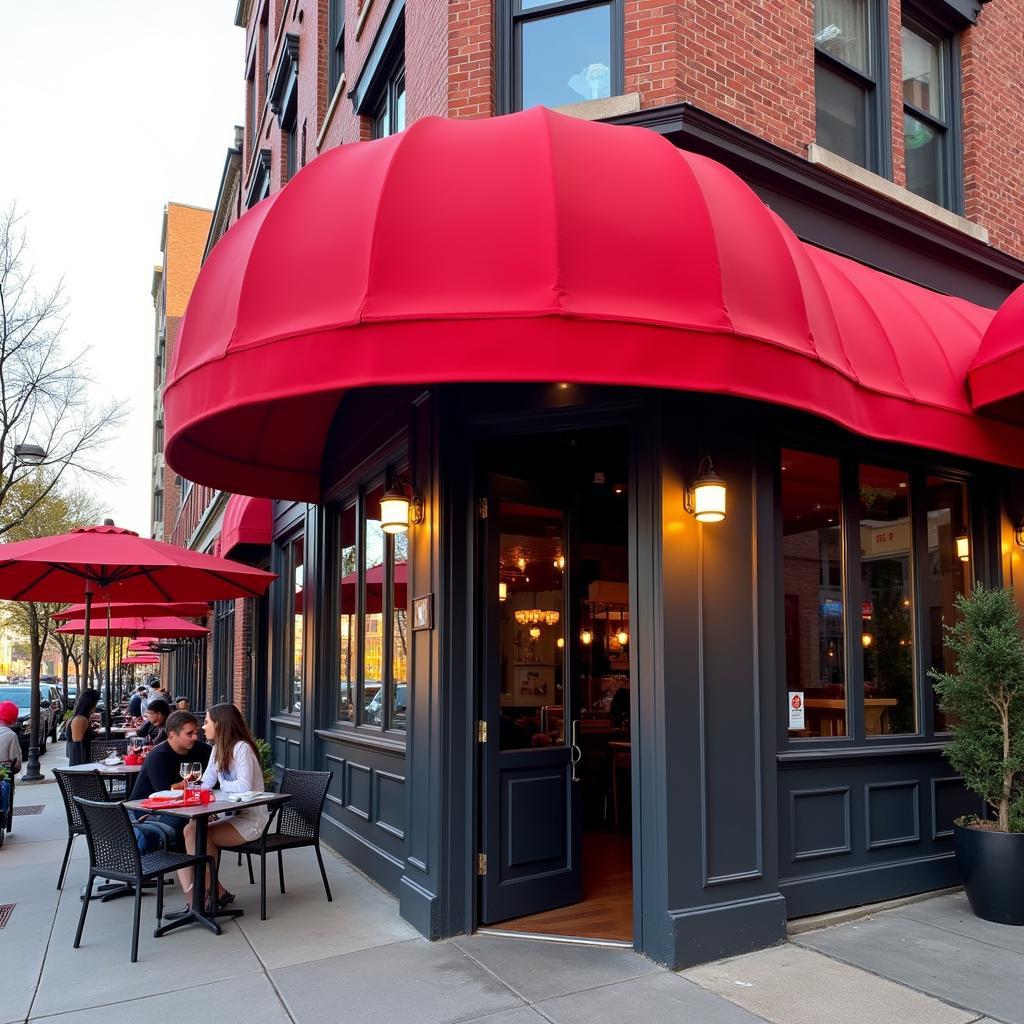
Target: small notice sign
(796,709)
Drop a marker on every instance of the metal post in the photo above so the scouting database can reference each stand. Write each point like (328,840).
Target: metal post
(110,703)
(32,772)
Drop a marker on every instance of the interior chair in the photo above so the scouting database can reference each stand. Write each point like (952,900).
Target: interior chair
(114,853)
(297,824)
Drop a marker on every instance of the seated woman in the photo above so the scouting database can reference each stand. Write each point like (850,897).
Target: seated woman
(80,732)
(235,768)
(152,730)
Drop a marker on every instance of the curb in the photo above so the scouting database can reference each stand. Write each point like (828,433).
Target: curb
(800,925)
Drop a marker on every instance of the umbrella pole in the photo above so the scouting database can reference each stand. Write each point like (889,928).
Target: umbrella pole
(84,681)
(110,704)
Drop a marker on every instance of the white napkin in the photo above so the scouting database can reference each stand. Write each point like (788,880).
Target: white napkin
(111,759)
(167,794)
(238,797)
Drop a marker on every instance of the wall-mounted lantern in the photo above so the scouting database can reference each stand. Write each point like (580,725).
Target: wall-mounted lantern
(401,506)
(963,547)
(705,500)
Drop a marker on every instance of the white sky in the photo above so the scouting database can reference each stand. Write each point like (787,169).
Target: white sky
(110,109)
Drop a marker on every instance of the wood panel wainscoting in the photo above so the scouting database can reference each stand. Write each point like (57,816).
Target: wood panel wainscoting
(606,910)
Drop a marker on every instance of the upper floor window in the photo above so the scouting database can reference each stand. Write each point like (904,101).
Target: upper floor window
(336,44)
(558,52)
(848,71)
(378,93)
(389,117)
(929,73)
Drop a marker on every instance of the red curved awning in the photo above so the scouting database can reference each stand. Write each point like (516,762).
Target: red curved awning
(538,247)
(245,521)
(997,372)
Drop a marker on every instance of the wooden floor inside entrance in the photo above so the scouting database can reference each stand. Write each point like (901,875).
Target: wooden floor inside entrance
(606,910)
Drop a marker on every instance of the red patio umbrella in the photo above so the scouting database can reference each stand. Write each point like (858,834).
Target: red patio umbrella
(116,565)
(143,643)
(119,609)
(138,626)
(140,659)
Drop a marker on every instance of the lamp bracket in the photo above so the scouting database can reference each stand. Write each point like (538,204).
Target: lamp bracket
(400,482)
(705,470)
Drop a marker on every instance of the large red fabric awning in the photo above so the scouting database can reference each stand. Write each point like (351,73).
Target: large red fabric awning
(538,247)
(997,372)
(245,521)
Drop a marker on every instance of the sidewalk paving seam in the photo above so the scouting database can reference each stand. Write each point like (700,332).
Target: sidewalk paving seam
(42,962)
(273,984)
(903,984)
(964,935)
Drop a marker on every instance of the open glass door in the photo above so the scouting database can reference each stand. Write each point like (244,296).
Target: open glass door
(531,826)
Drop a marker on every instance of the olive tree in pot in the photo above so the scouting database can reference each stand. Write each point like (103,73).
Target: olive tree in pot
(983,698)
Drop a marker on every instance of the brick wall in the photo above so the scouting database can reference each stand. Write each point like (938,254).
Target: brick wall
(241,674)
(471,81)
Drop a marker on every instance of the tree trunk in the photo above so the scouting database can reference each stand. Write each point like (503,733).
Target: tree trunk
(1004,799)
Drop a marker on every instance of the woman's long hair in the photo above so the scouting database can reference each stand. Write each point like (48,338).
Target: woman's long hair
(231,729)
(86,703)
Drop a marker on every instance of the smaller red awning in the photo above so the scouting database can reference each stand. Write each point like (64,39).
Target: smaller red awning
(996,376)
(246,521)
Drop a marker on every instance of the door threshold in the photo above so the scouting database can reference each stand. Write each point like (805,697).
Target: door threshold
(577,940)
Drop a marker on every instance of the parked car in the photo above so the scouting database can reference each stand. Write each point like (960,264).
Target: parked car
(375,706)
(50,714)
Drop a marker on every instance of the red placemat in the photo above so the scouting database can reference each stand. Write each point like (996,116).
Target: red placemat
(154,803)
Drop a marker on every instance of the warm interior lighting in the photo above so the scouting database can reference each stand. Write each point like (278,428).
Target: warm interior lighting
(399,510)
(963,547)
(502,591)
(706,499)
(521,562)
(559,562)
(866,639)
(560,642)
(586,637)
(536,616)
(535,633)
(623,637)
(1018,535)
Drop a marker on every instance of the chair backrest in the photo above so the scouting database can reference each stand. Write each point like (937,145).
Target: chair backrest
(111,838)
(101,748)
(85,784)
(300,817)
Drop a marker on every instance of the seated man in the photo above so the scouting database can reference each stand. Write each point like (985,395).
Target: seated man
(181,703)
(162,770)
(135,704)
(153,731)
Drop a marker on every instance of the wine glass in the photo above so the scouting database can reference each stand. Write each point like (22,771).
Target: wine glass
(185,771)
(196,771)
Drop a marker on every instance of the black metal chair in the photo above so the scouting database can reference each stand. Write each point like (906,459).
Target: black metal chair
(297,825)
(71,784)
(114,853)
(104,748)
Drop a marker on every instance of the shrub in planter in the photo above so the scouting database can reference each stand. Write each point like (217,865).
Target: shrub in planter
(266,763)
(983,699)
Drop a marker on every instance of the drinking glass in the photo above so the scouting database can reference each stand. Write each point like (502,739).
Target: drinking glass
(185,771)
(196,772)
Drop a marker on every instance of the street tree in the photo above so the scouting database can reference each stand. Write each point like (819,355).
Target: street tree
(47,400)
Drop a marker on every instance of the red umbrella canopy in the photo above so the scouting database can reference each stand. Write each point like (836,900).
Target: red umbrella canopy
(121,609)
(143,643)
(141,659)
(119,565)
(153,627)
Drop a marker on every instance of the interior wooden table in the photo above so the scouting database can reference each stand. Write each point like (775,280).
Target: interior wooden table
(874,709)
(201,814)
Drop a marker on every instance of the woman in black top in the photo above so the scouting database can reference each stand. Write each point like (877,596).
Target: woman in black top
(79,730)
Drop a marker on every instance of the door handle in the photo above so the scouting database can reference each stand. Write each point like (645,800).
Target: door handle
(575,754)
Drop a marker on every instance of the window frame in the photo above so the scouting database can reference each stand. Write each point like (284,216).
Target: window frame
(284,548)
(950,130)
(335,45)
(388,101)
(353,494)
(508,45)
(874,86)
(224,650)
(851,457)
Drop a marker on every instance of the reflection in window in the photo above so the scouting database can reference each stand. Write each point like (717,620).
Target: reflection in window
(926,115)
(886,609)
(373,618)
(812,584)
(532,624)
(348,570)
(295,703)
(947,571)
(399,629)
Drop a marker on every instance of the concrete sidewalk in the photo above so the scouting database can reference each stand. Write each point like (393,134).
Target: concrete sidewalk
(355,960)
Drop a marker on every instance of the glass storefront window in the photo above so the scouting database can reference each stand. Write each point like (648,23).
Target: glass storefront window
(812,585)
(348,586)
(374,551)
(294,704)
(886,601)
(947,570)
(400,638)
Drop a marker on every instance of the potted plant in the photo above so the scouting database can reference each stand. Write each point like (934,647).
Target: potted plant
(983,699)
(266,763)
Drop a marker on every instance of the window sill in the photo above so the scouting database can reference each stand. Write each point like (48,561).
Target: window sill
(875,182)
(331,107)
(598,110)
(378,741)
(361,19)
(874,750)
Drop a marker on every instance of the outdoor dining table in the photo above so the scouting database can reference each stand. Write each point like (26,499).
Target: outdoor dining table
(201,814)
(108,771)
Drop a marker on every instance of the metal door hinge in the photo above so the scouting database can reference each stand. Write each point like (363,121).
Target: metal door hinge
(481,731)
(481,864)
(481,507)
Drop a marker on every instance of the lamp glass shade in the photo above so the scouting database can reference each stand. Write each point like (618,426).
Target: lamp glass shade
(29,454)
(502,591)
(709,501)
(586,637)
(963,547)
(866,640)
(535,632)
(394,512)
(623,637)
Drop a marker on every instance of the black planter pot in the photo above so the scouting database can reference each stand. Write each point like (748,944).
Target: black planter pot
(992,867)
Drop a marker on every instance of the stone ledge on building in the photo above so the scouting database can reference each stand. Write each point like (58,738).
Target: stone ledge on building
(840,165)
(598,110)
